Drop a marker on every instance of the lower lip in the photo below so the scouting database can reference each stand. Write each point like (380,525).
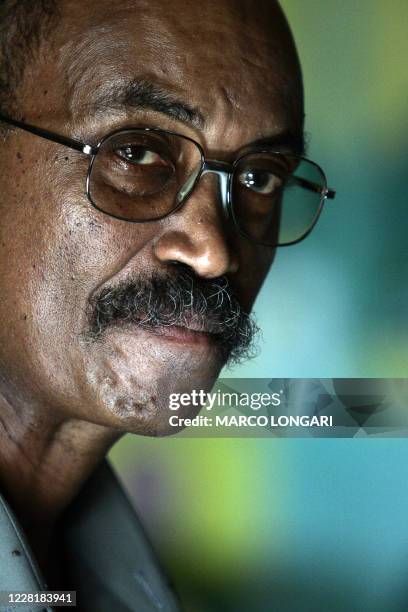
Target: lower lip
(182,335)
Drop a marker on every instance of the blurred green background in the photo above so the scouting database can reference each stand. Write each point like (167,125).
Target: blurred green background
(297,525)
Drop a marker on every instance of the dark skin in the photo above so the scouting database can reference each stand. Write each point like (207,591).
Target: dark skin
(64,402)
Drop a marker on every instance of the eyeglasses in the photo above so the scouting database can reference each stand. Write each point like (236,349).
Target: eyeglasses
(145,174)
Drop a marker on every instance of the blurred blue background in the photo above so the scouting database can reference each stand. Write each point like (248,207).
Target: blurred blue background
(267,524)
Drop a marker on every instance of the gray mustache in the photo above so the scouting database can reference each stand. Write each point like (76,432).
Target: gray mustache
(183,300)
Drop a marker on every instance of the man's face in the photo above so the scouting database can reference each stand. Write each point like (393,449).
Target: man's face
(233,64)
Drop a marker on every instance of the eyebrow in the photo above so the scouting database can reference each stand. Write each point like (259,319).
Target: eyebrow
(142,94)
(292,140)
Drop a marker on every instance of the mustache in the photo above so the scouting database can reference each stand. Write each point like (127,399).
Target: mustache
(185,300)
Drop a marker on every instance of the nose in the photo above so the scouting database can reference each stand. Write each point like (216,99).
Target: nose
(196,234)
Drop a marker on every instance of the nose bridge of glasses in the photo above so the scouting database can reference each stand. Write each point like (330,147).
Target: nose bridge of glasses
(223,171)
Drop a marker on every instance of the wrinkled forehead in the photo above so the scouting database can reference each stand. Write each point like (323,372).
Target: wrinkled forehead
(230,59)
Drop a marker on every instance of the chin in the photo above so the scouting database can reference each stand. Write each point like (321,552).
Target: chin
(146,412)
(130,381)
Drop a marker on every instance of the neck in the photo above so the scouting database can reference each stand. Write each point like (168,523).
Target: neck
(44,461)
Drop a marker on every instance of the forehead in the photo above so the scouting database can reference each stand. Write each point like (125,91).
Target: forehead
(233,62)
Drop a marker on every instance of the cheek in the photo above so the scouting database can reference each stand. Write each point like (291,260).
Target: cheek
(254,265)
(55,250)
(81,250)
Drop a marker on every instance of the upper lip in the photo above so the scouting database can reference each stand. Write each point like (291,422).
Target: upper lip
(191,324)
(199,328)
(194,327)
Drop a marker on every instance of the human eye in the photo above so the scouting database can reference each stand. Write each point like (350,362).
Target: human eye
(135,152)
(261,181)
(138,163)
(139,155)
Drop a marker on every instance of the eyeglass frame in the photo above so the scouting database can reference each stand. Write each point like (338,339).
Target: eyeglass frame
(223,170)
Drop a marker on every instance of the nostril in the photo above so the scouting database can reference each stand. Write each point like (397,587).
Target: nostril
(181,267)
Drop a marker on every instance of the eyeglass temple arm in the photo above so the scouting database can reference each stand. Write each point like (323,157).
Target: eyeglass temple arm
(67,142)
(329,193)
(77,145)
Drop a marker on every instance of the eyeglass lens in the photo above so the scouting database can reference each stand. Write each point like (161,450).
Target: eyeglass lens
(276,197)
(144,175)
(136,174)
